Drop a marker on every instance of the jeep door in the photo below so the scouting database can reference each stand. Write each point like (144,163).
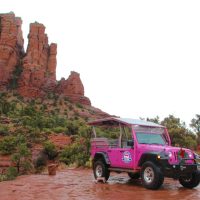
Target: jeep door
(122,155)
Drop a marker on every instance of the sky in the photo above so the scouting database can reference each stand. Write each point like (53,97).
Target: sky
(135,58)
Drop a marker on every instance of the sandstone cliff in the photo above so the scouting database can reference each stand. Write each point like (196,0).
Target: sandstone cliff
(33,73)
(11,47)
(39,64)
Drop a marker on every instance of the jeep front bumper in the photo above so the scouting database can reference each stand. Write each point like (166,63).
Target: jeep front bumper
(177,170)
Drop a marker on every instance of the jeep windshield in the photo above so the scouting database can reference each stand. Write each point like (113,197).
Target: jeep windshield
(150,138)
(150,135)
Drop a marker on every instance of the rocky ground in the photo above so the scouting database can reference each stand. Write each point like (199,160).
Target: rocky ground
(80,184)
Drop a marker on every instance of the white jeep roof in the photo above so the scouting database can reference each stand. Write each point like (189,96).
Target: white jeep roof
(126,121)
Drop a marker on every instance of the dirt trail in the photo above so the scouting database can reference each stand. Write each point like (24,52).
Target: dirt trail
(79,185)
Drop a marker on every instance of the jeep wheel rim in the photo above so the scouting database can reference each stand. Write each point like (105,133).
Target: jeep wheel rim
(99,171)
(148,175)
(187,179)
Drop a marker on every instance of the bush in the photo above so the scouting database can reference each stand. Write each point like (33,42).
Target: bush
(5,107)
(29,110)
(35,136)
(59,129)
(72,127)
(50,150)
(11,173)
(3,130)
(22,158)
(8,145)
(76,153)
(40,161)
(13,84)
(79,105)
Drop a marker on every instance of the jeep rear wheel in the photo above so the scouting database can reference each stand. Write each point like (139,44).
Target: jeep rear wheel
(100,170)
(190,181)
(151,175)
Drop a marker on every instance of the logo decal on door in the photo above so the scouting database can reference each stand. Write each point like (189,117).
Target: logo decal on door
(126,157)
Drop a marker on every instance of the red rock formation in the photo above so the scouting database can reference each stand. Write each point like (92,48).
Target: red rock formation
(39,64)
(11,46)
(73,88)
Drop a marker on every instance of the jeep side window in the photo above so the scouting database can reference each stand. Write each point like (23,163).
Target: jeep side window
(126,139)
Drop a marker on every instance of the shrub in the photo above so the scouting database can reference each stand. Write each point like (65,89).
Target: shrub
(11,173)
(3,130)
(76,153)
(8,145)
(40,161)
(72,127)
(43,107)
(50,150)
(59,121)
(35,136)
(2,94)
(22,158)
(29,110)
(15,76)
(59,129)
(5,107)
(79,105)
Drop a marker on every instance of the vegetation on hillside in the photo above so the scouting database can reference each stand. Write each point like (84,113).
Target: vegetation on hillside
(24,124)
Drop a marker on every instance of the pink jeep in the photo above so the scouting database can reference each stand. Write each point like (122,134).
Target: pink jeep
(142,149)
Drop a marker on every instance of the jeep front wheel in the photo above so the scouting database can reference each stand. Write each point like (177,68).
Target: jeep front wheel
(191,181)
(151,175)
(100,170)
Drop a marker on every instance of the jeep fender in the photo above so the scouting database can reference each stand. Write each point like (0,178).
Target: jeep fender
(102,155)
(150,156)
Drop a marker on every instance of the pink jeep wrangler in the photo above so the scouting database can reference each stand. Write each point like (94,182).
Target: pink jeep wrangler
(142,149)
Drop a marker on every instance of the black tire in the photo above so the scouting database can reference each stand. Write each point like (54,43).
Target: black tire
(100,169)
(134,175)
(192,181)
(151,175)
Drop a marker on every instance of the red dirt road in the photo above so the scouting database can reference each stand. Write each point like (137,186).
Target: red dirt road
(80,185)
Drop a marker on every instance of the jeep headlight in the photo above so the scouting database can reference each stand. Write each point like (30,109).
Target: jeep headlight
(170,154)
(190,154)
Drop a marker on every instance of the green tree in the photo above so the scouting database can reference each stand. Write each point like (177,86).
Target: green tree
(178,132)
(13,84)
(195,124)
(22,158)
(155,120)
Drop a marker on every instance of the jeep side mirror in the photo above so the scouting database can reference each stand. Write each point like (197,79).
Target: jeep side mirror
(130,143)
